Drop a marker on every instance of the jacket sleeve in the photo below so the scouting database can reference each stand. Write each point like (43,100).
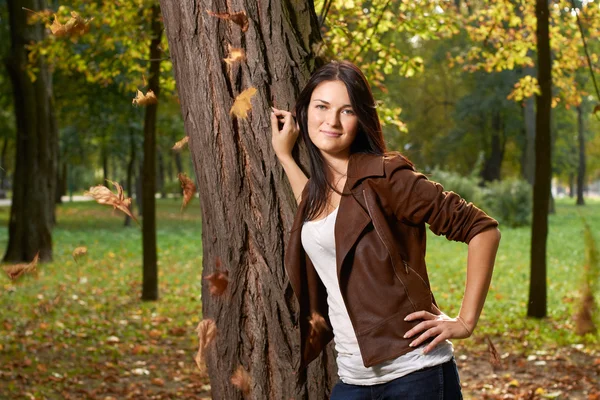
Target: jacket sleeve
(415,199)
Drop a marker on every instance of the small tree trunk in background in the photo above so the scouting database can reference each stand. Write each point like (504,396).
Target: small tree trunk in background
(138,186)
(3,165)
(537,306)
(61,182)
(247,205)
(34,183)
(178,163)
(161,175)
(150,268)
(571,184)
(581,166)
(530,129)
(130,168)
(105,166)
(492,164)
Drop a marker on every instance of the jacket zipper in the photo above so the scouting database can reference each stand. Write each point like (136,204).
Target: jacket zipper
(388,250)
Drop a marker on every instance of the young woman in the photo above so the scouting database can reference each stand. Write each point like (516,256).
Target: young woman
(356,252)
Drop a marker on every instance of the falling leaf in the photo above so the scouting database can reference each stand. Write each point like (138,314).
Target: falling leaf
(317,326)
(242,103)
(76,25)
(189,189)
(158,381)
(79,252)
(207,331)
(103,195)
(179,145)
(596,109)
(217,282)
(241,379)
(16,270)
(142,99)
(239,18)
(235,55)
(494,356)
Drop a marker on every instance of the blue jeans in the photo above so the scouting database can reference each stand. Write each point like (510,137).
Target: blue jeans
(439,382)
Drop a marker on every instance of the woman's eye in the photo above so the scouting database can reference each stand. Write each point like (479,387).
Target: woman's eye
(349,112)
(320,107)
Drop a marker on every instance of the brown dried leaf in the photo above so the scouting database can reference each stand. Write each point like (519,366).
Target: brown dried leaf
(494,356)
(240,18)
(235,55)
(241,379)
(103,195)
(317,326)
(79,252)
(189,189)
(217,282)
(584,318)
(180,144)
(142,99)
(242,103)
(16,270)
(207,331)
(75,26)
(596,109)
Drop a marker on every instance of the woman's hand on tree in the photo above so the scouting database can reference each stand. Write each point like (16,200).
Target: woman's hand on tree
(283,138)
(439,327)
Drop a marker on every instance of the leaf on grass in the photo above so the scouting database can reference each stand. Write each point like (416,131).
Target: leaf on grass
(235,55)
(317,326)
(142,99)
(241,379)
(189,189)
(16,270)
(494,356)
(79,252)
(240,18)
(217,282)
(207,331)
(103,195)
(180,144)
(242,103)
(75,26)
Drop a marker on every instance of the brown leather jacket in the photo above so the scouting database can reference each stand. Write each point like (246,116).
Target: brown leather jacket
(380,255)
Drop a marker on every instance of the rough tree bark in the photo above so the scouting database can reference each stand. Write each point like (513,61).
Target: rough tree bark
(543,168)
(150,267)
(34,183)
(247,206)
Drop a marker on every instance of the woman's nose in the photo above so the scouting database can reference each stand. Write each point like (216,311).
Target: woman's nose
(332,118)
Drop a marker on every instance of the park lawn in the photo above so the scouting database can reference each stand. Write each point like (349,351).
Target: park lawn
(59,331)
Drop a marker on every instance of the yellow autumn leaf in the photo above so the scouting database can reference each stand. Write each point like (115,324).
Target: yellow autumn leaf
(240,18)
(103,195)
(76,25)
(179,145)
(189,189)
(235,55)
(142,99)
(79,252)
(16,270)
(242,103)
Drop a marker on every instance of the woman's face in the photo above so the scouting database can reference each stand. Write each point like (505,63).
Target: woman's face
(332,123)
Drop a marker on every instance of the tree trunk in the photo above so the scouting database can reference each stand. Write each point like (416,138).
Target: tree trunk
(492,164)
(247,205)
(130,166)
(161,175)
(529,153)
(581,167)
(3,165)
(61,182)
(34,183)
(150,267)
(543,168)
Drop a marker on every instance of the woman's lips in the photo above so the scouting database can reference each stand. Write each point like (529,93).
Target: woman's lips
(331,134)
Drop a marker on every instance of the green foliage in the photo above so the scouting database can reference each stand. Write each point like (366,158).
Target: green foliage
(509,201)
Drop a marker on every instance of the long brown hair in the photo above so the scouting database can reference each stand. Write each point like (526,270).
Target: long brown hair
(369,137)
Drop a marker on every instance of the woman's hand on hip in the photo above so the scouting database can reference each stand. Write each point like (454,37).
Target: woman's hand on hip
(283,138)
(439,327)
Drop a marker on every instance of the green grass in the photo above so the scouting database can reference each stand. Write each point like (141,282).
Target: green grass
(504,315)
(54,326)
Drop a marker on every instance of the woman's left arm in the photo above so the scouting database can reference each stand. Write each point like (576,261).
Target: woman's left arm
(480,264)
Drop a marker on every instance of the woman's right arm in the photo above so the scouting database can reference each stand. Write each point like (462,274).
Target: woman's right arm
(283,142)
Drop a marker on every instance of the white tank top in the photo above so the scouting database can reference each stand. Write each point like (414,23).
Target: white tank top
(318,240)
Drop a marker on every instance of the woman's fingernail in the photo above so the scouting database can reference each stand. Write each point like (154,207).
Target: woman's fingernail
(412,344)
(405,335)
